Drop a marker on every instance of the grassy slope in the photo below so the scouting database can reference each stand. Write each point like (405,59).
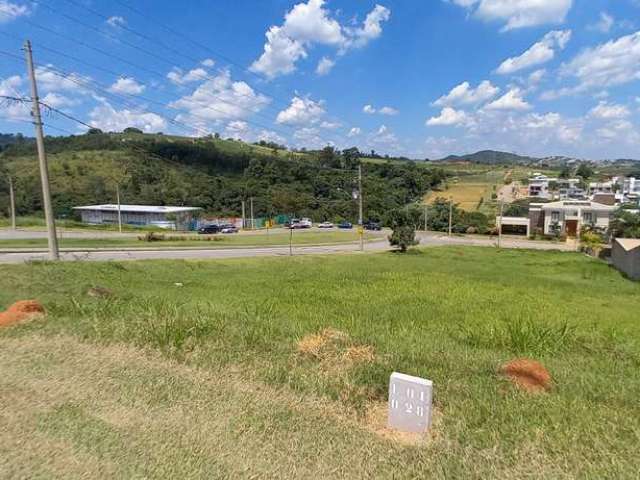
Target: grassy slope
(450,314)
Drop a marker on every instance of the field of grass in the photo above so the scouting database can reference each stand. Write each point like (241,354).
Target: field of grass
(467,195)
(207,380)
(205,241)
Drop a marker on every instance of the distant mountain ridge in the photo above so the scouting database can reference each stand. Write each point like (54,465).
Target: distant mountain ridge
(493,157)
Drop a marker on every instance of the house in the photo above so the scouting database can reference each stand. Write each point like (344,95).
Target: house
(568,217)
(176,218)
(630,189)
(549,188)
(625,256)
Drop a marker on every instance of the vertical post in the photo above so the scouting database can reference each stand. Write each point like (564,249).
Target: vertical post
(244,224)
(119,212)
(500,222)
(290,241)
(12,204)
(42,158)
(253,222)
(360,209)
(426,218)
(450,214)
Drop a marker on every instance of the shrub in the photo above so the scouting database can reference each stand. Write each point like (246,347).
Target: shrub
(404,230)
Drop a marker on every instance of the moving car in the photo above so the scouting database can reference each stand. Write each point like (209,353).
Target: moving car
(325,225)
(372,226)
(345,225)
(306,223)
(209,229)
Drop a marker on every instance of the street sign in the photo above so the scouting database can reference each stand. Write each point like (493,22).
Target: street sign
(410,403)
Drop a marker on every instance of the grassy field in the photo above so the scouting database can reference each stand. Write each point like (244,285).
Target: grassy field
(210,380)
(208,241)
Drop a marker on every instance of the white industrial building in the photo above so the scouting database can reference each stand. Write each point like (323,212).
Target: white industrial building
(175,218)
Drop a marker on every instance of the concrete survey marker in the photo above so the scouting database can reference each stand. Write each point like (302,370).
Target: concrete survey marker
(410,401)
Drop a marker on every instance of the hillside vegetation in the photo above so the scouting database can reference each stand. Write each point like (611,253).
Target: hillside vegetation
(211,173)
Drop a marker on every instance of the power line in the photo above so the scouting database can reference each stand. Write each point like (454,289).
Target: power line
(283,103)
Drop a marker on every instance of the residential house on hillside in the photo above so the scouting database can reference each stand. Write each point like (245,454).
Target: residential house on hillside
(549,188)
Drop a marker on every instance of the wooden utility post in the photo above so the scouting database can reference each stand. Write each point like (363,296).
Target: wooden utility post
(42,157)
(119,212)
(500,222)
(450,214)
(360,209)
(12,204)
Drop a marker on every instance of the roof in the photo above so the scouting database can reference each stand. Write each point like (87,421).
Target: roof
(565,204)
(629,243)
(138,208)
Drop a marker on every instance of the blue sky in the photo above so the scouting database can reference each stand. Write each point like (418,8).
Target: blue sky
(422,78)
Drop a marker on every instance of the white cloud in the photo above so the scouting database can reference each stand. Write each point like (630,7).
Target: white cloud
(541,52)
(604,24)
(12,110)
(388,111)
(127,85)
(519,13)
(57,100)
(106,118)
(49,81)
(512,100)
(536,77)
(325,65)
(354,132)
(449,116)
(116,21)
(307,24)
(609,111)
(208,62)
(301,111)
(10,11)
(309,137)
(178,77)
(371,28)
(330,125)
(371,110)
(613,63)
(463,94)
(220,98)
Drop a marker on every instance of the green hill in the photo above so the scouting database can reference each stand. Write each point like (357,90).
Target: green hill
(208,172)
(492,157)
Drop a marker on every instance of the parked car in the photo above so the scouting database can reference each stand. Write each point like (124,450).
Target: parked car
(209,229)
(229,229)
(293,223)
(325,225)
(306,223)
(372,226)
(345,225)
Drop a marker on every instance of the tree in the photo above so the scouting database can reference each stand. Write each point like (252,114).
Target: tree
(132,130)
(584,171)
(351,158)
(404,230)
(565,172)
(625,224)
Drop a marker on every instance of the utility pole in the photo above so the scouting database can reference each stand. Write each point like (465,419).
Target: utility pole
(253,222)
(12,203)
(500,222)
(244,224)
(119,212)
(360,209)
(450,213)
(426,218)
(42,158)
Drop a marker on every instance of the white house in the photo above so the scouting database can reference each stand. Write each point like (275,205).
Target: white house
(541,186)
(568,217)
(177,218)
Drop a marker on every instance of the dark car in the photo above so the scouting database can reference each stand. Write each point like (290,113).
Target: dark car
(209,229)
(372,226)
(345,225)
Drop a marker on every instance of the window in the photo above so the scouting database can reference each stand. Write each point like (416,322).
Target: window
(555,216)
(587,217)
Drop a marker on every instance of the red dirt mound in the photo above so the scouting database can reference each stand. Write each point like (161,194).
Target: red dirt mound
(529,375)
(20,311)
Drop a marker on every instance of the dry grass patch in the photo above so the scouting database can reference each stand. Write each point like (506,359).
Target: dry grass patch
(335,348)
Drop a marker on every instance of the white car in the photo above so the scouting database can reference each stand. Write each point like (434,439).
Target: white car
(325,225)
(305,223)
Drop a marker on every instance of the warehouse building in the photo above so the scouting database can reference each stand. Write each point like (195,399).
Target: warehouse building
(174,218)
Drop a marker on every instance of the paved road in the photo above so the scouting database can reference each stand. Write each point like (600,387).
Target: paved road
(429,239)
